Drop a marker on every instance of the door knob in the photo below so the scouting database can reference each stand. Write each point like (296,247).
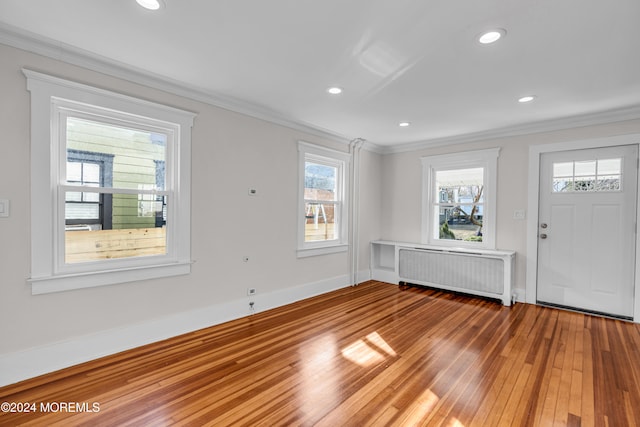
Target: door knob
(543,236)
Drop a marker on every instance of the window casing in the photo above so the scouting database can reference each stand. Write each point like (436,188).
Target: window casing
(459,199)
(322,207)
(92,187)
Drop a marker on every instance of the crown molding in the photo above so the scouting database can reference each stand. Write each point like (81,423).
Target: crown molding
(30,42)
(590,119)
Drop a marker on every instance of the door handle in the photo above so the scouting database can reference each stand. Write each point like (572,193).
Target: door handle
(543,236)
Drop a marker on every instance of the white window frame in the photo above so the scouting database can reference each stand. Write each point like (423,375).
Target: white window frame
(340,160)
(52,99)
(486,159)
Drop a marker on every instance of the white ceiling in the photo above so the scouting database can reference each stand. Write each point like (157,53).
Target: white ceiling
(397,60)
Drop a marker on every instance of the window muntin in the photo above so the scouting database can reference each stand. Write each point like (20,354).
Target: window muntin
(458,199)
(322,225)
(587,176)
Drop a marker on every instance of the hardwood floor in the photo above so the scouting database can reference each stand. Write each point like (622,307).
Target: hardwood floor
(375,354)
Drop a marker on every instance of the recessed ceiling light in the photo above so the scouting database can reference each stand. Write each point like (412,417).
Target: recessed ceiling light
(335,90)
(150,4)
(526,99)
(404,124)
(492,36)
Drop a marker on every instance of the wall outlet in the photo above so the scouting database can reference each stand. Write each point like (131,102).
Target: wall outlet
(251,291)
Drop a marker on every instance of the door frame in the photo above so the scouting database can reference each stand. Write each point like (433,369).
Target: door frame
(533,197)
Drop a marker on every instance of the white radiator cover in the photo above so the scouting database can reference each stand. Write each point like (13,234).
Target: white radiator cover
(486,273)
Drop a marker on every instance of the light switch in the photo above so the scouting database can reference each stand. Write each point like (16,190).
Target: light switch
(519,214)
(4,208)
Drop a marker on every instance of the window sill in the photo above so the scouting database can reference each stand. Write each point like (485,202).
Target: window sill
(309,252)
(68,282)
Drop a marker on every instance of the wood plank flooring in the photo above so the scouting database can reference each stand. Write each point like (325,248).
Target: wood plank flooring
(375,354)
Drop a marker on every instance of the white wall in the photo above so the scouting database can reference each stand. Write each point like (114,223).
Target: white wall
(402,186)
(231,153)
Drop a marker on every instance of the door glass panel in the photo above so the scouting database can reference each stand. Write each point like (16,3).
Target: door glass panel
(585,168)
(587,176)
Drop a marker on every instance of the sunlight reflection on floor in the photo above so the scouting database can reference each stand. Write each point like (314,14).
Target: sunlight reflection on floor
(368,351)
(318,388)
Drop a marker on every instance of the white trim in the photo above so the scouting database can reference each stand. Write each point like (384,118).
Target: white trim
(333,249)
(67,282)
(535,151)
(488,160)
(342,161)
(47,358)
(354,213)
(51,95)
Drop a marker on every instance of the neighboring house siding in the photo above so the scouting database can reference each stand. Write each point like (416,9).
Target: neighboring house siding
(130,169)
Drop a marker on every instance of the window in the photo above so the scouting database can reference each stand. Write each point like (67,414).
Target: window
(459,202)
(86,210)
(322,212)
(587,176)
(110,187)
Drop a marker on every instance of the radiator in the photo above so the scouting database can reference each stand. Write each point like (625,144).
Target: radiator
(484,274)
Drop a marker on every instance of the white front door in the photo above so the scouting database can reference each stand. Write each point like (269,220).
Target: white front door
(587,229)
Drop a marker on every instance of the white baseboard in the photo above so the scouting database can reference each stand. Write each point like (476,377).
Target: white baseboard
(22,365)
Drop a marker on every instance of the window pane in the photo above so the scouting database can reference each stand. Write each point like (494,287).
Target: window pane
(135,155)
(74,172)
(563,169)
(608,183)
(91,173)
(320,181)
(610,167)
(585,183)
(460,204)
(82,211)
(458,223)
(587,168)
(460,185)
(561,185)
(130,234)
(90,197)
(320,221)
(73,196)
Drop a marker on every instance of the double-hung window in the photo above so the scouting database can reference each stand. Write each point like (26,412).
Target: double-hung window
(459,199)
(110,187)
(322,208)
